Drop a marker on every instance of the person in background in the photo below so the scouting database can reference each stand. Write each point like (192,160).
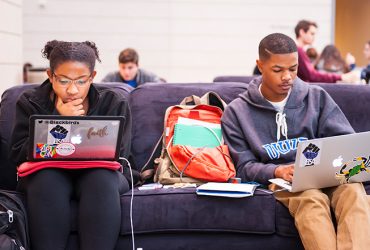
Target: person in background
(365,73)
(331,61)
(279,109)
(305,32)
(69,91)
(129,71)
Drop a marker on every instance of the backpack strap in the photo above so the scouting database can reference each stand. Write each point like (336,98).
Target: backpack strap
(213,99)
(147,171)
(191,100)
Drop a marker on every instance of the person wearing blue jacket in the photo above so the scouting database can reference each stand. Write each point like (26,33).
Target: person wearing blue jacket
(263,127)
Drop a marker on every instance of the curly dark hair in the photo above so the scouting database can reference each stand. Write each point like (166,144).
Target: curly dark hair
(276,43)
(58,52)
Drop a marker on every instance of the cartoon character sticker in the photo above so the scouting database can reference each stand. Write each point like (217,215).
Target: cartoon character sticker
(45,151)
(352,168)
(58,134)
(311,155)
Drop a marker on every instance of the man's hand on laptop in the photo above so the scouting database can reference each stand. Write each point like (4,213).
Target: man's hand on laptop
(285,172)
(70,108)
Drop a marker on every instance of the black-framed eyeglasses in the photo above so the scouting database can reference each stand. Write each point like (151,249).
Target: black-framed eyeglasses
(64,81)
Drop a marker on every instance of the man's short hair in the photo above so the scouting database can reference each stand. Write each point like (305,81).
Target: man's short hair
(303,25)
(128,55)
(276,43)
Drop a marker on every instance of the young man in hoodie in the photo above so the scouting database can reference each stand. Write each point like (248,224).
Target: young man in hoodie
(263,127)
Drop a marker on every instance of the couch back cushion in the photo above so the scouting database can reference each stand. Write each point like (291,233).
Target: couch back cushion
(245,79)
(7,120)
(354,101)
(9,99)
(150,101)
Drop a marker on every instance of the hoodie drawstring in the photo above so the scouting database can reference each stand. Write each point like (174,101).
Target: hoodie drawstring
(281,125)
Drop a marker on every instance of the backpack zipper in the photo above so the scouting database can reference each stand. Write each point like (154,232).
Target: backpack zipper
(11,215)
(18,244)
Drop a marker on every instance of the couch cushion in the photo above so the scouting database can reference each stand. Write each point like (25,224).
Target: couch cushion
(171,210)
(245,79)
(367,187)
(9,99)
(149,102)
(284,221)
(210,240)
(354,101)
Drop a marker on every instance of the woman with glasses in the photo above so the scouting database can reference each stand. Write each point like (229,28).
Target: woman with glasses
(69,91)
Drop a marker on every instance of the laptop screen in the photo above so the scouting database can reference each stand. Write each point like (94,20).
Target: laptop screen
(75,137)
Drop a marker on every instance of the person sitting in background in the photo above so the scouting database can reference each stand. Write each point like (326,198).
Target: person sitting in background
(312,54)
(365,73)
(305,32)
(331,61)
(129,71)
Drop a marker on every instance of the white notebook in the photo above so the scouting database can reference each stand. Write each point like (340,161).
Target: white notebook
(233,190)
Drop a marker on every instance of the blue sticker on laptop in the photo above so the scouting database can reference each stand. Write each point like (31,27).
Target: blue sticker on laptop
(58,133)
(311,155)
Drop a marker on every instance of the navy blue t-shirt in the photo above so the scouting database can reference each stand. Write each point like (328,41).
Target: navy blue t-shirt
(132,83)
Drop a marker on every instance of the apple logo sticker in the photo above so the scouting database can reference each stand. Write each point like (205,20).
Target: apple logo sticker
(338,162)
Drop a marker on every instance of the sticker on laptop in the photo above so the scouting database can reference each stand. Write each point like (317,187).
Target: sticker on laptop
(97,132)
(352,168)
(311,155)
(65,149)
(58,133)
(45,151)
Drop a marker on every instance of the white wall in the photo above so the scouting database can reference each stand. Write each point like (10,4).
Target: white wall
(180,40)
(10,43)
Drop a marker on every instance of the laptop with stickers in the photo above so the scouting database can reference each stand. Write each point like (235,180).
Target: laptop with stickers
(330,161)
(75,137)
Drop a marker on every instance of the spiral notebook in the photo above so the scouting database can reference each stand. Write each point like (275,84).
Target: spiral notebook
(198,135)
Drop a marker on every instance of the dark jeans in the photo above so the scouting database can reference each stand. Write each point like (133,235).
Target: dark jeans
(97,191)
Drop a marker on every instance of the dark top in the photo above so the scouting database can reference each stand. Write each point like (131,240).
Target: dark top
(141,77)
(102,102)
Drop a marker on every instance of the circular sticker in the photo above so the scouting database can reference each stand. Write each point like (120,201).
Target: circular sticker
(65,149)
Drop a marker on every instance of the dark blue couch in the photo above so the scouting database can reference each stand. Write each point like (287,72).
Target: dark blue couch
(177,218)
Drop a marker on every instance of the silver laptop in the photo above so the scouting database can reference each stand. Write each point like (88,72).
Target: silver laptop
(330,161)
(75,137)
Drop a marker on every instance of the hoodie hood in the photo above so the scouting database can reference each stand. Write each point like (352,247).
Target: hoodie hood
(297,95)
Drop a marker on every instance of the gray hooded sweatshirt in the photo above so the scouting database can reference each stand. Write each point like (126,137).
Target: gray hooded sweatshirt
(259,139)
